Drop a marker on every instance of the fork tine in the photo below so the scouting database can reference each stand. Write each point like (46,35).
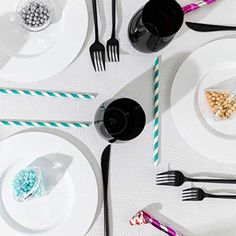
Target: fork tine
(100,60)
(165,179)
(104,60)
(188,194)
(190,199)
(103,64)
(190,189)
(111,53)
(167,183)
(108,52)
(114,49)
(96,60)
(118,52)
(166,173)
(92,59)
(164,176)
(114,53)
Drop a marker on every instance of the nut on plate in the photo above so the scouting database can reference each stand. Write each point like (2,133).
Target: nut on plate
(222,104)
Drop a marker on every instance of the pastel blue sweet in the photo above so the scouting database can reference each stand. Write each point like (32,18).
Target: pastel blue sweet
(26,184)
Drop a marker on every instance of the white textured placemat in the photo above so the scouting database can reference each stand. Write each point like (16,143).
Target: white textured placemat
(132,172)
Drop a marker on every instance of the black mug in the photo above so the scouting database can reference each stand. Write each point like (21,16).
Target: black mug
(120,120)
(155,25)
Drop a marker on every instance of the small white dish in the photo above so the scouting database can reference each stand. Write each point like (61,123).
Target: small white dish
(32,56)
(68,209)
(206,67)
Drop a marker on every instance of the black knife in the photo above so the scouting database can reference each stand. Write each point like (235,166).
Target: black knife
(200,27)
(105,162)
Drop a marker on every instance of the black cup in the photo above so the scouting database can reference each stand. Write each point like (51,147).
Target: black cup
(155,25)
(120,120)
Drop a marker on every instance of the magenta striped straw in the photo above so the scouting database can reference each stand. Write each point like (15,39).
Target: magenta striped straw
(197,5)
(143,218)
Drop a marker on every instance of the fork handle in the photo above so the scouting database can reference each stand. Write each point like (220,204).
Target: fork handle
(95,17)
(217,181)
(113,18)
(221,196)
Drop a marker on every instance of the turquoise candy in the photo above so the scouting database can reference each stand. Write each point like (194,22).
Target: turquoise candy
(26,184)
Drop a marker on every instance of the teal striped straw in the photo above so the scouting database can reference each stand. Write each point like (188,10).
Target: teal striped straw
(44,124)
(156,112)
(26,92)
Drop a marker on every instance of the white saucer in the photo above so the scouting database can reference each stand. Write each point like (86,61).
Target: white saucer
(68,209)
(206,67)
(32,56)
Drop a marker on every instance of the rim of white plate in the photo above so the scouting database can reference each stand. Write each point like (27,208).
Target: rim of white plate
(58,56)
(183,98)
(62,146)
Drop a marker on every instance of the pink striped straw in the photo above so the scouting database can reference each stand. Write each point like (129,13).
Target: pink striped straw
(144,218)
(196,5)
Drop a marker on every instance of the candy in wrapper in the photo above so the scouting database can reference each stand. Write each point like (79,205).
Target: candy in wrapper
(221,99)
(221,103)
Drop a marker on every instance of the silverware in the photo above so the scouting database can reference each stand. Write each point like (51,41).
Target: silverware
(177,178)
(197,194)
(105,175)
(208,28)
(97,50)
(113,48)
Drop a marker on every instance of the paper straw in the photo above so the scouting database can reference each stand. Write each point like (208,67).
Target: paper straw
(156,112)
(197,5)
(44,124)
(144,218)
(27,92)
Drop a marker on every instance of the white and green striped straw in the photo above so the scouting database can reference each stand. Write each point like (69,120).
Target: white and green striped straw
(41,93)
(44,124)
(156,112)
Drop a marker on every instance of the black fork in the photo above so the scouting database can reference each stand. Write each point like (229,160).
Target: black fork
(97,50)
(113,48)
(197,194)
(177,178)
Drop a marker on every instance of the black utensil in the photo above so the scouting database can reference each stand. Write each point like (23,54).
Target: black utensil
(113,48)
(197,194)
(105,161)
(177,178)
(117,120)
(97,50)
(208,28)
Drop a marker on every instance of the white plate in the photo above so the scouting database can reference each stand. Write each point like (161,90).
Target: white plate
(70,207)
(207,66)
(33,56)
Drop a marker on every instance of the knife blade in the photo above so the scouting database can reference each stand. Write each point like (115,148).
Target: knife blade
(105,162)
(200,27)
